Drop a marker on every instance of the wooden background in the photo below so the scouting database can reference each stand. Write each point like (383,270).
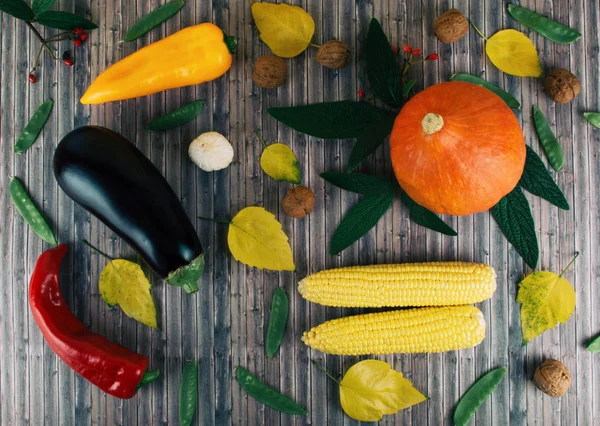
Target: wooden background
(224,324)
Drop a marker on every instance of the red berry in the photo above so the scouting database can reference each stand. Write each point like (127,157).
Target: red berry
(77,42)
(68,62)
(78,30)
(83,36)
(361,94)
(32,78)
(407,49)
(416,52)
(394,49)
(433,57)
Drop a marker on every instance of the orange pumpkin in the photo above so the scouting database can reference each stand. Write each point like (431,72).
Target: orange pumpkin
(457,148)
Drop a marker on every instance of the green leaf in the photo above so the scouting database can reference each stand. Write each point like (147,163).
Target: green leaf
(383,70)
(513,215)
(17,8)
(39,6)
(359,220)
(153,19)
(425,217)
(360,183)
(593,118)
(552,148)
(370,140)
(64,20)
(537,180)
(594,345)
(329,120)
(407,87)
(506,97)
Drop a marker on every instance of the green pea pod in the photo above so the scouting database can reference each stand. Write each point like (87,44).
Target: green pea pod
(548,28)
(474,397)
(506,97)
(178,117)
(593,118)
(153,19)
(266,394)
(548,140)
(34,127)
(149,376)
(277,321)
(30,212)
(594,345)
(188,392)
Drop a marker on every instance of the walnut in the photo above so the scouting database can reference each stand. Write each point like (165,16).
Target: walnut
(552,378)
(562,86)
(269,72)
(450,26)
(298,202)
(334,54)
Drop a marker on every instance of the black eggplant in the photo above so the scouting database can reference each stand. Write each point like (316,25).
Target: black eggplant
(108,176)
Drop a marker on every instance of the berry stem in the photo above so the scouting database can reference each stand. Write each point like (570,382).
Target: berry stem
(477,29)
(41,39)
(37,59)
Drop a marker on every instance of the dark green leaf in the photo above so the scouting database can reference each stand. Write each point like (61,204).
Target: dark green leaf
(329,120)
(17,8)
(359,220)
(359,183)
(34,127)
(153,19)
(407,87)
(506,97)
(593,118)
(64,20)
(425,217)
(383,70)
(370,140)
(548,140)
(550,29)
(178,117)
(537,180)
(513,215)
(39,6)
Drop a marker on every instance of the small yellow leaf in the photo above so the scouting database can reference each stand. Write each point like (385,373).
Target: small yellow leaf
(514,53)
(286,29)
(123,283)
(546,299)
(279,162)
(256,239)
(371,389)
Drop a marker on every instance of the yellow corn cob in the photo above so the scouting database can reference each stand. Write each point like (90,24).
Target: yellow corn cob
(403,331)
(410,284)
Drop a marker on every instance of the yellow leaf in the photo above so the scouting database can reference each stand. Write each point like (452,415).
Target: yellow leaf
(546,299)
(123,283)
(286,29)
(256,239)
(371,389)
(514,53)
(279,162)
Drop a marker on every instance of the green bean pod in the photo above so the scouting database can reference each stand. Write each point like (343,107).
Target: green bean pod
(593,118)
(474,397)
(30,212)
(506,97)
(266,394)
(178,117)
(550,29)
(548,140)
(34,127)
(188,392)
(277,321)
(594,345)
(153,19)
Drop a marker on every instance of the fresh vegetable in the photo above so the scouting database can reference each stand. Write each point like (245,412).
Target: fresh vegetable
(113,368)
(552,378)
(29,212)
(419,330)
(194,55)
(451,26)
(298,202)
(211,151)
(457,148)
(551,146)
(409,284)
(593,118)
(188,392)
(178,117)
(266,394)
(474,397)
(111,178)
(506,97)
(552,30)
(334,54)
(153,19)
(513,52)
(277,321)
(34,127)
(562,86)
(269,72)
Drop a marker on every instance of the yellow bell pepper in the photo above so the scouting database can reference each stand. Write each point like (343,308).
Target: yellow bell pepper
(194,55)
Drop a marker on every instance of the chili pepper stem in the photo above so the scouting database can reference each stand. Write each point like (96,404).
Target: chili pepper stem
(569,265)
(97,250)
(37,59)
(261,140)
(225,222)
(477,29)
(325,371)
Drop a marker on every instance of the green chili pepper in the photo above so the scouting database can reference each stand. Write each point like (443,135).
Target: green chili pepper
(548,140)
(178,117)
(593,118)
(594,345)
(277,321)
(506,97)
(474,397)
(266,394)
(34,127)
(151,20)
(188,392)
(30,212)
(548,28)
(149,376)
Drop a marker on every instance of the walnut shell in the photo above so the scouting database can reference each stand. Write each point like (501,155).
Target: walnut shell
(450,26)
(334,54)
(562,86)
(298,202)
(269,72)
(552,378)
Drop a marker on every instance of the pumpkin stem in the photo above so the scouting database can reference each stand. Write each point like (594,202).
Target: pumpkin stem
(432,123)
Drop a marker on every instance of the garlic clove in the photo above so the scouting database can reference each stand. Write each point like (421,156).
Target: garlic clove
(211,151)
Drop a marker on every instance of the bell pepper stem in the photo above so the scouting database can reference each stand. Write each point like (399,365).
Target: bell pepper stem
(149,377)
(230,42)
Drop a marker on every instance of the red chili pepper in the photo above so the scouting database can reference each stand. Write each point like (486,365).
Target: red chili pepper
(113,368)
